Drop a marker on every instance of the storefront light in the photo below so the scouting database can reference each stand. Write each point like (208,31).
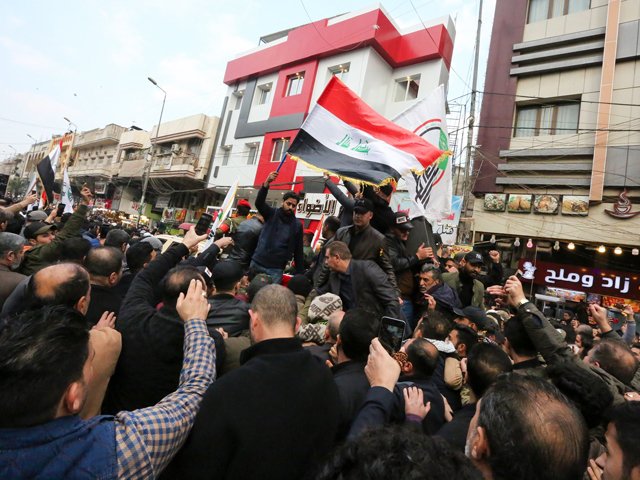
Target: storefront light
(530,243)
(602,249)
(556,246)
(571,246)
(635,251)
(617,251)
(493,239)
(516,242)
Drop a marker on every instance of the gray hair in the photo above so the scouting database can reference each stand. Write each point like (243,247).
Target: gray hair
(10,242)
(436,274)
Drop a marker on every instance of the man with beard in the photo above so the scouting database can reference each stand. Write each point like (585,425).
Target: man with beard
(281,235)
(470,290)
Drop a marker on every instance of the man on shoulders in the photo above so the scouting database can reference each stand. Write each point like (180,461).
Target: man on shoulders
(281,235)
(364,243)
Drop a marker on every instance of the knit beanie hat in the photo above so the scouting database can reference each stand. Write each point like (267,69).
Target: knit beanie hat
(323,306)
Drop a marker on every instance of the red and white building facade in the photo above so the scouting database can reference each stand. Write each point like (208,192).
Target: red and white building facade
(273,87)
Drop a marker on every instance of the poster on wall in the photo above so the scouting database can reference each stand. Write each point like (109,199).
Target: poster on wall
(546,204)
(519,203)
(495,202)
(575,205)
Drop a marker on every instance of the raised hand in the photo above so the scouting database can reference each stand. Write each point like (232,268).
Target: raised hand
(194,304)
(414,402)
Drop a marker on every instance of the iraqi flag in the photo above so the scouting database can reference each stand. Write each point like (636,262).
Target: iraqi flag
(46,172)
(345,137)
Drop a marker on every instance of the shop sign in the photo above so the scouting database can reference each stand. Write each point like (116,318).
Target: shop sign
(590,280)
(622,208)
(163,201)
(315,205)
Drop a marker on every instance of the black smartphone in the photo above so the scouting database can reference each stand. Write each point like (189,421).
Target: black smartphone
(391,333)
(60,209)
(204,222)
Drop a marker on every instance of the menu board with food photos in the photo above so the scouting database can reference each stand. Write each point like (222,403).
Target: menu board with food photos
(575,205)
(495,202)
(546,204)
(519,203)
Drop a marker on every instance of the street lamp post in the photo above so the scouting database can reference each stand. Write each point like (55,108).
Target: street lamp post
(75,127)
(155,152)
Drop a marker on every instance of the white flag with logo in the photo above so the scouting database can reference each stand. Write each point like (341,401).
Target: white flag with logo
(67,195)
(430,192)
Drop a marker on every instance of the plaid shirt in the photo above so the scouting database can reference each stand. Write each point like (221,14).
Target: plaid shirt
(148,438)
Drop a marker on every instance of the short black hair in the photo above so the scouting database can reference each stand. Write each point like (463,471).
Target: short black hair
(332,223)
(74,249)
(615,358)
(518,338)
(41,352)
(291,194)
(116,238)
(485,363)
(466,336)
(66,293)
(435,326)
(356,331)
(423,355)
(138,254)
(177,281)
(530,413)
(103,261)
(589,393)
(396,452)
(626,418)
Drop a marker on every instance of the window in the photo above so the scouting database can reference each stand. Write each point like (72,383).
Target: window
(252,154)
(294,84)
(226,154)
(280,146)
(263,92)
(545,9)
(239,94)
(340,71)
(407,88)
(548,119)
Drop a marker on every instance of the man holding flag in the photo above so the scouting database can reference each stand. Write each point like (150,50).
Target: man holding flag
(281,236)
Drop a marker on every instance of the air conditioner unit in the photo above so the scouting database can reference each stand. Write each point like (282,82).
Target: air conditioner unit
(175,148)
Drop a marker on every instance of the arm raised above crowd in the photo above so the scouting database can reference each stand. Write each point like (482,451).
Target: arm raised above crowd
(22,204)
(261,200)
(338,194)
(144,291)
(148,438)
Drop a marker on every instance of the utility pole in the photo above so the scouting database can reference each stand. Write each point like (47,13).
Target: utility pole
(466,190)
(154,151)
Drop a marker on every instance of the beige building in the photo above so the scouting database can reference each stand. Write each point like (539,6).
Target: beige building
(95,156)
(560,126)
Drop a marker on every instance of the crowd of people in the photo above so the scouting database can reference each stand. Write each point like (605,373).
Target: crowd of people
(260,357)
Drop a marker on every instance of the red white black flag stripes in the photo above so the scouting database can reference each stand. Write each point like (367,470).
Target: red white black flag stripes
(46,172)
(344,136)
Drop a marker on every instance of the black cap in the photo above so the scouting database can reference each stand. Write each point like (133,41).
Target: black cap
(363,205)
(473,257)
(259,281)
(475,315)
(402,221)
(227,271)
(37,228)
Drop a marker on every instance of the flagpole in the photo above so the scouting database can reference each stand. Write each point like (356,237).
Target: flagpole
(284,157)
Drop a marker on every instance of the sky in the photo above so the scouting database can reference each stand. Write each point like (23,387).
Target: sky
(89,61)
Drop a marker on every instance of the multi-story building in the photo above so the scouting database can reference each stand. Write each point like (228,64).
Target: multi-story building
(273,87)
(177,161)
(95,158)
(36,153)
(556,160)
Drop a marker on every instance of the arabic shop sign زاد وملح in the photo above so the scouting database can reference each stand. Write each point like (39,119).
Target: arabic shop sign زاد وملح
(588,280)
(314,205)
